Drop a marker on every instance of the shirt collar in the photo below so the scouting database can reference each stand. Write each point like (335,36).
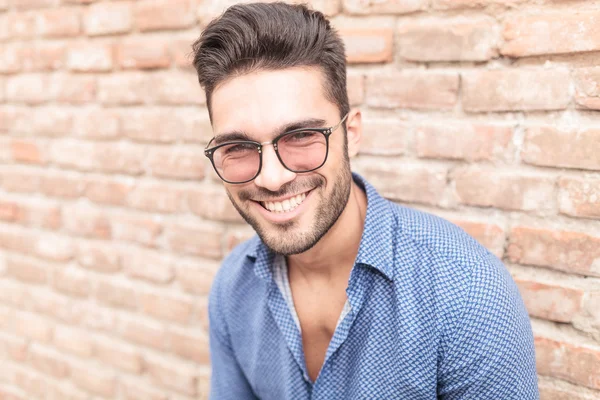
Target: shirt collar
(376,247)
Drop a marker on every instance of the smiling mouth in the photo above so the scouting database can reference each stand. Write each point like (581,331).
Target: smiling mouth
(287,205)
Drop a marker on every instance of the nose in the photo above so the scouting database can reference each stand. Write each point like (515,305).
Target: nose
(273,175)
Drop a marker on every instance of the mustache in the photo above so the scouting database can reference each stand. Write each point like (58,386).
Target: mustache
(290,188)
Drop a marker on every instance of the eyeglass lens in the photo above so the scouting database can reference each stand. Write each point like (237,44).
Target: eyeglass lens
(299,152)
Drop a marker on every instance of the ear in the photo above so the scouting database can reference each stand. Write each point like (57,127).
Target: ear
(354,131)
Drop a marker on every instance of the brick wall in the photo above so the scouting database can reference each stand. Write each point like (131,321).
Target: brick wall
(112,223)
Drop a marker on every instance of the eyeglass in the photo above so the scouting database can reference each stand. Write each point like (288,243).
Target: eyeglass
(299,150)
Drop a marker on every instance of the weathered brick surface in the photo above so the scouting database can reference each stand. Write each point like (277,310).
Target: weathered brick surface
(514,90)
(551,33)
(453,40)
(113,224)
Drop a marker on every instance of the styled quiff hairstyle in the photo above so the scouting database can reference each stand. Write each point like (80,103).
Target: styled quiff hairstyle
(271,36)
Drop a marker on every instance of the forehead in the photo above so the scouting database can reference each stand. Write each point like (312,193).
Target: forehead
(259,102)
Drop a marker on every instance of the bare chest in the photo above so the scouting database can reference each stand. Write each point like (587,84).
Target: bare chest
(318,313)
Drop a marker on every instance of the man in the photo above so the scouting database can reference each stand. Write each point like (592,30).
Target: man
(343,294)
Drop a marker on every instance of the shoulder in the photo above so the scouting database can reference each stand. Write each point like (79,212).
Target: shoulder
(235,268)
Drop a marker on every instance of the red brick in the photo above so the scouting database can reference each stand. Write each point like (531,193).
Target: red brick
(140,391)
(368,45)
(104,191)
(108,18)
(72,340)
(96,124)
(200,128)
(413,89)
(190,345)
(30,4)
(56,306)
(145,333)
(98,318)
(117,295)
(148,265)
(32,327)
(11,58)
(173,376)
(449,40)
(119,158)
(17,240)
(72,281)
(47,362)
(7,393)
(564,32)
(13,348)
(130,228)
(589,320)
(26,151)
(90,57)
(516,90)
(587,88)
(30,89)
(197,277)
(455,4)
(43,56)
(117,355)
(573,252)
(176,88)
(156,197)
(406,182)
(212,203)
(54,247)
(104,157)
(491,236)
(9,211)
(58,22)
(143,53)
(167,307)
(356,88)
(124,88)
(12,292)
(38,214)
(94,381)
(203,241)
(27,269)
(327,7)
(153,15)
(548,146)
(98,257)
(384,7)
(64,185)
(34,386)
(576,364)
(176,163)
(509,191)
(49,121)
(550,301)
(463,141)
(86,221)
(180,51)
(21,25)
(159,126)
(580,197)
(74,89)
(551,392)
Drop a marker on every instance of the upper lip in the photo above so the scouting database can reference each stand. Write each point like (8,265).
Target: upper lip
(280,199)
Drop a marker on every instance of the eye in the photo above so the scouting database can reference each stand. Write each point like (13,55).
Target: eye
(302,136)
(238,148)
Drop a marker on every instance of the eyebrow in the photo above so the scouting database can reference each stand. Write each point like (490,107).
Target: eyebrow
(240,135)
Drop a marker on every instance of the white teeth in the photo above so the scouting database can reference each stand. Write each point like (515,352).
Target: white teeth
(286,205)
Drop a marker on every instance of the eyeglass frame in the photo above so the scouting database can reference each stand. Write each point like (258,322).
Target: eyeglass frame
(209,152)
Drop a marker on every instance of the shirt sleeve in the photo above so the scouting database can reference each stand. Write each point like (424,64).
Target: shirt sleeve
(227,378)
(488,352)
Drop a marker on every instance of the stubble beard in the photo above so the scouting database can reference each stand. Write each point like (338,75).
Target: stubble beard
(285,238)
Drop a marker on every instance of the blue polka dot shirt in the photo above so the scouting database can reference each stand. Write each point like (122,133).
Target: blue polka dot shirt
(430,314)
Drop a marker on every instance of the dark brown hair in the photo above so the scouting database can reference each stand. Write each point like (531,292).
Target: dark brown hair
(271,36)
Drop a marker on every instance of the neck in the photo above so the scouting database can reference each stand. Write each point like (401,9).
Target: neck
(333,256)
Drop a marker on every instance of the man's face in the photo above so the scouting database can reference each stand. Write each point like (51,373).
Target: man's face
(260,105)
